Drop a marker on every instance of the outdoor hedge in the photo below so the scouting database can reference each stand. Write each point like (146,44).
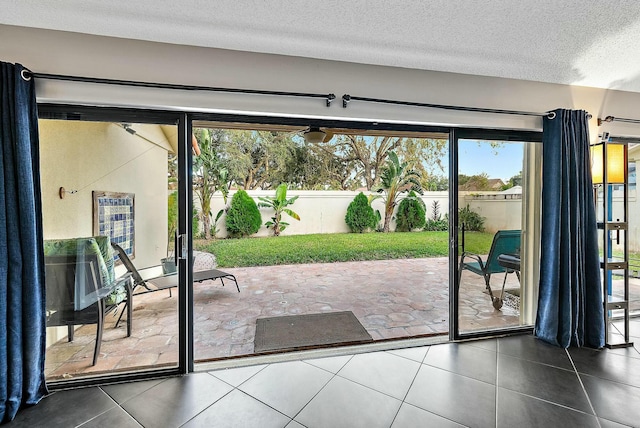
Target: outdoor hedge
(360,216)
(411,213)
(243,217)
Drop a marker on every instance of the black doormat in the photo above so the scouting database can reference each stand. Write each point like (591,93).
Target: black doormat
(295,332)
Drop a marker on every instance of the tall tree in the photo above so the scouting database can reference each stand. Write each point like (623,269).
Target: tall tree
(367,154)
(254,158)
(311,167)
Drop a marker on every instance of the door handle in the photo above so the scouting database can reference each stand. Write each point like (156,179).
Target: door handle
(181,247)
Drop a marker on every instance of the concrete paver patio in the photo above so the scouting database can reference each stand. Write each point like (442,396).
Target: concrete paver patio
(391,298)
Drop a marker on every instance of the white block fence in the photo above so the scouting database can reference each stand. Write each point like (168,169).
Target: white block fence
(324,211)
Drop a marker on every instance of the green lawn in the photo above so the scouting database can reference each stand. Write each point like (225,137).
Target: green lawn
(320,248)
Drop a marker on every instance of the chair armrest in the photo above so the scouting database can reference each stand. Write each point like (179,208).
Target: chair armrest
(474,256)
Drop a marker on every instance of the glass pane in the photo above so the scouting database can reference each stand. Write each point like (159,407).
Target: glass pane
(394,283)
(104,190)
(496,263)
(634,236)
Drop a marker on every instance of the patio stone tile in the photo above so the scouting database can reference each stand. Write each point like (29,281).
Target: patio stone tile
(391,298)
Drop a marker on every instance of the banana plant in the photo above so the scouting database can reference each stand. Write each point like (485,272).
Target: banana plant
(278,204)
(395,179)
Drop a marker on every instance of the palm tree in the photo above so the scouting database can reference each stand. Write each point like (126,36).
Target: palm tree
(210,175)
(279,204)
(394,180)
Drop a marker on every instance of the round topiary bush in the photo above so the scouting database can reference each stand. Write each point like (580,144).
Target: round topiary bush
(411,214)
(360,215)
(243,217)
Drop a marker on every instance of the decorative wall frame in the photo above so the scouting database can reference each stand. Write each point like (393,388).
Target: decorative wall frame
(113,216)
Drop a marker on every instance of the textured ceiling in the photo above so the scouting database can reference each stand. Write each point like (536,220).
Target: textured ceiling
(588,42)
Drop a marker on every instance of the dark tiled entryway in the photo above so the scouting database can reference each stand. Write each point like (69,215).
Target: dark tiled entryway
(507,382)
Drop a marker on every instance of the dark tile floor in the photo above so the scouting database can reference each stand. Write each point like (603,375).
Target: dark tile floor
(508,382)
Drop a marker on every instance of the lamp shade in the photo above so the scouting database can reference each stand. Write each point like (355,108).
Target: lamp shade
(314,135)
(616,168)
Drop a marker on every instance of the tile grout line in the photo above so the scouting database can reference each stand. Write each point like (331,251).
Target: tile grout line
(236,388)
(583,387)
(321,389)
(100,414)
(497,374)
(205,409)
(410,386)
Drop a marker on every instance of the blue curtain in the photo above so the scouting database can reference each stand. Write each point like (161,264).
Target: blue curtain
(22,300)
(570,305)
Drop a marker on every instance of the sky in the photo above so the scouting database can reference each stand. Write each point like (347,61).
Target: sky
(476,157)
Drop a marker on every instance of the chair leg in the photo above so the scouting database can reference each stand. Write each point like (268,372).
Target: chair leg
(70,330)
(487,280)
(460,268)
(126,304)
(129,308)
(99,328)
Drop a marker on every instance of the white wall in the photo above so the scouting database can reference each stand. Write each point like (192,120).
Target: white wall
(87,156)
(499,213)
(56,52)
(324,211)
(319,211)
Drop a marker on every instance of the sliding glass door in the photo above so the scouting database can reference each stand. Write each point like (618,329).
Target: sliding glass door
(497,233)
(111,210)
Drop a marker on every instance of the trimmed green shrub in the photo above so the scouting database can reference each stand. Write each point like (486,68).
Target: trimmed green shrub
(471,219)
(360,216)
(411,213)
(243,217)
(440,225)
(437,223)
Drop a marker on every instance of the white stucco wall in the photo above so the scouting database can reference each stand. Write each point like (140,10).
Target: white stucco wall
(319,211)
(87,156)
(499,213)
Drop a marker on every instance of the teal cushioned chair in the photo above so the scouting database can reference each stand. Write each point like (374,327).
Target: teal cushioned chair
(504,242)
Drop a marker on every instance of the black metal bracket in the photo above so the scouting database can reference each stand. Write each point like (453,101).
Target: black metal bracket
(346,98)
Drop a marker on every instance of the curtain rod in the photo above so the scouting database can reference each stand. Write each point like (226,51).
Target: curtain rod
(328,97)
(346,98)
(617,119)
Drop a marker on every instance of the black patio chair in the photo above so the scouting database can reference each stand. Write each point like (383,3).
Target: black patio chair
(166,282)
(76,295)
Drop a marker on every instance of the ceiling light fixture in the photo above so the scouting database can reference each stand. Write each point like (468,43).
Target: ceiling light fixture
(314,135)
